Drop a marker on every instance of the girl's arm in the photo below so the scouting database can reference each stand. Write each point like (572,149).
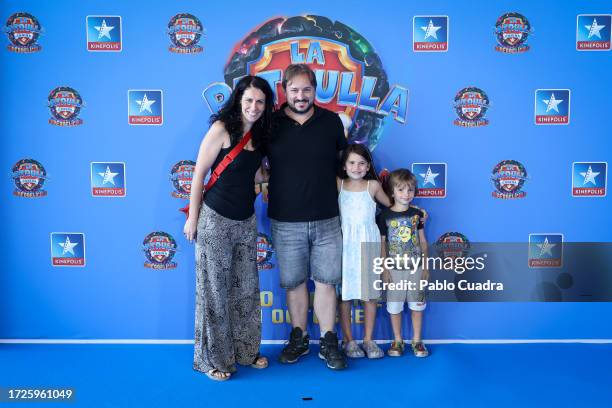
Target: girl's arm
(209,150)
(338,183)
(379,194)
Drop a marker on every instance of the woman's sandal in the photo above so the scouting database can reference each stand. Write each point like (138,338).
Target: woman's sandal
(217,375)
(260,362)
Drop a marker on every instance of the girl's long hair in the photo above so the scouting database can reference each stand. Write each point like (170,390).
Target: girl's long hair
(231,112)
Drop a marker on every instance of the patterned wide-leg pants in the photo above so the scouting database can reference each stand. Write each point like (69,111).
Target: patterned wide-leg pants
(227,316)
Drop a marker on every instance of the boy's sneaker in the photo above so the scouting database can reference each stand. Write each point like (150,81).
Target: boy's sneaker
(330,353)
(419,349)
(396,349)
(296,347)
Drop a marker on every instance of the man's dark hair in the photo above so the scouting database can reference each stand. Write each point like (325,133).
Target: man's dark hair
(294,70)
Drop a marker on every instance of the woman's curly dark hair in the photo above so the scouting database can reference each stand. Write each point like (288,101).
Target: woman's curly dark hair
(231,112)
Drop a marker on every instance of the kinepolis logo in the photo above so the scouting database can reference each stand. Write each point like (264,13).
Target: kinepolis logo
(350,76)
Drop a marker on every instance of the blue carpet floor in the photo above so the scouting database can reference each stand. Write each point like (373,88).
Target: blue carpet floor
(457,375)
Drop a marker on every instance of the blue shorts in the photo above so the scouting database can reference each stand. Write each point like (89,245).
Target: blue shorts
(308,249)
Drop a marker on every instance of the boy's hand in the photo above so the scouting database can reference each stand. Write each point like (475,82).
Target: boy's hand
(386,276)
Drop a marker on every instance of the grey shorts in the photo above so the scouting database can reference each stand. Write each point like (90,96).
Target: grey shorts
(415,298)
(308,249)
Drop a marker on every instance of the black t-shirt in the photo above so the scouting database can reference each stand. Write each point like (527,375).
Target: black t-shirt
(233,195)
(401,230)
(303,160)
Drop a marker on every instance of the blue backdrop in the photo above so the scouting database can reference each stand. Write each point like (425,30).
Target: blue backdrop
(115,296)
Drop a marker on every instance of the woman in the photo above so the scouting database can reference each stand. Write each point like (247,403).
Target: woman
(227,321)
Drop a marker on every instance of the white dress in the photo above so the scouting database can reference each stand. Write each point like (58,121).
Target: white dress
(358,215)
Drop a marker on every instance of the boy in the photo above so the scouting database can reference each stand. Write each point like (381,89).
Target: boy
(401,229)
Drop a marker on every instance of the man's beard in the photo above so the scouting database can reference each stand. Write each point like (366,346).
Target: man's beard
(293,109)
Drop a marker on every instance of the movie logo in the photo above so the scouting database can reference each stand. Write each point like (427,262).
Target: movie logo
(65,105)
(452,245)
(23,30)
(511,32)
(350,76)
(185,31)
(508,177)
(29,177)
(264,252)
(181,176)
(159,248)
(471,105)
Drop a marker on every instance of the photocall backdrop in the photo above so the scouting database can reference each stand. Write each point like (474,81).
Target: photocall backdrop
(501,107)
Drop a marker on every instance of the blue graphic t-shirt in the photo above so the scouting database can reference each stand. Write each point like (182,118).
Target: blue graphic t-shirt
(401,230)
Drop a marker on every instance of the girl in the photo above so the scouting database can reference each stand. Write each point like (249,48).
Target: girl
(358,188)
(227,315)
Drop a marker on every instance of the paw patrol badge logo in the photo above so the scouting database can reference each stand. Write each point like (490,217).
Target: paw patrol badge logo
(23,30)
(181,176)
(29,177)
(185,31)
(159,249)
(65,105)
(471,105)
(511,32)
(264,252)
(452,245)
(508,177)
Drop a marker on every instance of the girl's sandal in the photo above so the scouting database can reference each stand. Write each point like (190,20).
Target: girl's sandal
(260,362)
(217,375)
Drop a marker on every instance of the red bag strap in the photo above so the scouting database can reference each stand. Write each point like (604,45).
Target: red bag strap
(226,161)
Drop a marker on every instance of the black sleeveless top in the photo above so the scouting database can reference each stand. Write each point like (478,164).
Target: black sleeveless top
(233,195)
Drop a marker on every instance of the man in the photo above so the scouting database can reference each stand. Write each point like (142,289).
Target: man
(303,209)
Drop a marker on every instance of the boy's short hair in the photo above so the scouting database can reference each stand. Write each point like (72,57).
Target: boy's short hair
(294,70)
(399,177)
